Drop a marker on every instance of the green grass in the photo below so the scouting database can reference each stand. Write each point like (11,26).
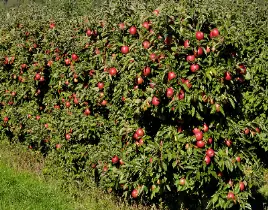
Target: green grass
(23,186)
(21,190)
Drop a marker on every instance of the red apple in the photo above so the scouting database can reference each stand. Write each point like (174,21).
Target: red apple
(139,80)
(153,56)
(133,30)
(169,92)
(171,75)
(146,44)
(228,142)
(146,25)
(207,159)
(37,76)
(124,49)
(205,127)
(146,71)
(67,104)
(115,159)
(227,76)
(182,181)
(155,101)
(181,95)
(199,136)
(214,33)
(200,144)
(210,140)
(196,130)
(230,196)
(194,68)
(87,111)
(112,71)
(89,32)
(199,35)
(190,58)
(156,12)
(140,132)
(121,26)
(52,25)
(74,57)
(67,61)
(238,159)
(100,85)
(246,131)
(67,136)
(210,152)
(200,51)
(186,43)
(104,102)
(218,107)
(5,119)
(134,193)
(58,146)
(241,186)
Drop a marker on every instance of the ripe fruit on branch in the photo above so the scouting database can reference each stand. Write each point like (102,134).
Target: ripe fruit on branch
(218,107)
(205,127)
(124,49)
(134,193)
(67,61)
(140,132)
(156,12)
(194,68)
(112,71)
(146,25)
(186,43)
(67,136)
(139,80)
(196,130)
(182,181)
(104,103)
(146,71)
(89,32)
(171,75)
(190,58)
(230,196)
(241,186)
(210,152)
(238,159)
(67,104)
(228,142)
(199,35)
(153,56)
(246,131)
(115,159)
(210,140)
(200,144)
(87,111)
(74,57)
(132,30)
(169,92)
(100,85)
(155,101)
(5,119)
(146,44)
(199,136)
(121,26)
(214,33)
(37,76)
(207,159)
(181,95)
(227,76)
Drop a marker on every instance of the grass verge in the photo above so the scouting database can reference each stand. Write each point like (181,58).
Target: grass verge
(23,186)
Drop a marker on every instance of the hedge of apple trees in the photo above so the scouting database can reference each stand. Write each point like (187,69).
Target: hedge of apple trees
(156,102)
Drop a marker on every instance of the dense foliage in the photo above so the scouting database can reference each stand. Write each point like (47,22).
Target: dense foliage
(157,102)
